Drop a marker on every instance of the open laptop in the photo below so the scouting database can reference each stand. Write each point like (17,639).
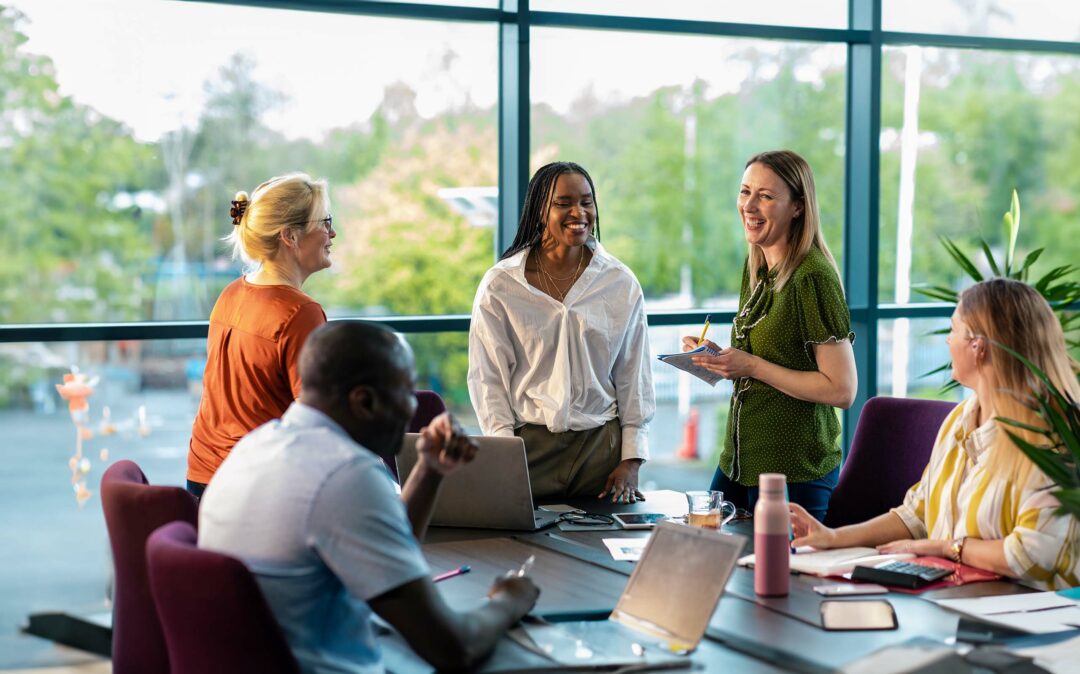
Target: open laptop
(663,611)
(490,492)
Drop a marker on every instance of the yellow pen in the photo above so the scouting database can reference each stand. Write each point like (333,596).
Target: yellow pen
(704,330)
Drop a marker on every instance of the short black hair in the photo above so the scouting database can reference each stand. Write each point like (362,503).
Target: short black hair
(341,355)
(537,201)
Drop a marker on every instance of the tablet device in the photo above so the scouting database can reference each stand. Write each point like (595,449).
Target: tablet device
(639,520)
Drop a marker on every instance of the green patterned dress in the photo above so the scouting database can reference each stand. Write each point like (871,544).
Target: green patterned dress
(769,431)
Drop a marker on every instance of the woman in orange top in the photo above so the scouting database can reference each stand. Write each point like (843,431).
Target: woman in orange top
(283,232)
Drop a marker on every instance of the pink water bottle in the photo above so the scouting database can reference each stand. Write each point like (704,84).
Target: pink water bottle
(772,528)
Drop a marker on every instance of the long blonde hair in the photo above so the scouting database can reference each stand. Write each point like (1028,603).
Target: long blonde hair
(805,230)
(291,201)
(1014,314)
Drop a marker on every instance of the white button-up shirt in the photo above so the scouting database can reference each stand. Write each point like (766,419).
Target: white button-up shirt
(571,365)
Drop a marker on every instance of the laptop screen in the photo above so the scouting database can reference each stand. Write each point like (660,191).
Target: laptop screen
(678,581)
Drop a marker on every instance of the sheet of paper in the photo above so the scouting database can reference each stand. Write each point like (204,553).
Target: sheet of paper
(1058,656)
(626,549)
(685,362)
(1009,603)
(1039,622)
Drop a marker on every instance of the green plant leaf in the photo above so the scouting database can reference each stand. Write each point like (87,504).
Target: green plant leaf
(961,259)
(1030,260)
(1026,427)
(1046,460)
(990,258)
(941,368)
(936,292)
(1011,223)
(1070,502)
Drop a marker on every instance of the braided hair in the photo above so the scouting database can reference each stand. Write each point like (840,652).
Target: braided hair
(538,202)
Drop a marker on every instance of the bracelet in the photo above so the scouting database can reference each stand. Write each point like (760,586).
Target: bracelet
(956,548)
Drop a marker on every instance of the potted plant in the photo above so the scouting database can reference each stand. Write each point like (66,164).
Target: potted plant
(1058,285)
(1059,457)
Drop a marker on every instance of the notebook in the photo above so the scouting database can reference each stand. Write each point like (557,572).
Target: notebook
(490,492)
(685,362)
(662,613)
(835,562)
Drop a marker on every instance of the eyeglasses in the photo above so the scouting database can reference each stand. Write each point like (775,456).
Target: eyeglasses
(582,518)
(327,223)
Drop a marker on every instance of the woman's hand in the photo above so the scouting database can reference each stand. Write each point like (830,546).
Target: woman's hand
(923,547)
(622,482)
(808,531)
(730,364)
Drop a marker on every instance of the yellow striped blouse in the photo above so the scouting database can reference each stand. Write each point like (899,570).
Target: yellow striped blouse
(957,496)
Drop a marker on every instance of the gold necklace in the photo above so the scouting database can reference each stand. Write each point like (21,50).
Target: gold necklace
(540,262)
(550,286)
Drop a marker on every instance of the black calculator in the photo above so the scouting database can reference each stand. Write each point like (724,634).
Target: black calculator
(900,574)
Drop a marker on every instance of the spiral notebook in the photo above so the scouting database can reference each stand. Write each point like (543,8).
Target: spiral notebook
(685,362)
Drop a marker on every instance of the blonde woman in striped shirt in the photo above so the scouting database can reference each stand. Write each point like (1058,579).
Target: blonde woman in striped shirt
(980,500)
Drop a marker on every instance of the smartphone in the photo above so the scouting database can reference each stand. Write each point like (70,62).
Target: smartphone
(639,520)
(849,589)
(863,614)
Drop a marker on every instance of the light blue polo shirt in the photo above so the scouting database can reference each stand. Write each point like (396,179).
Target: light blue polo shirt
(316,518)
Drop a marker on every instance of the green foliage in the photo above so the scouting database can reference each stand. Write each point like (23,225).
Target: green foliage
(1058,285)
(1059,456)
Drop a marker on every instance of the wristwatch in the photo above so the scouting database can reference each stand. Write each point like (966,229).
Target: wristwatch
(956,548)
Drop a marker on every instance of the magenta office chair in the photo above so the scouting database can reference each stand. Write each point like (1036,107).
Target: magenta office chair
(133,510)
(889,451)
(213,613)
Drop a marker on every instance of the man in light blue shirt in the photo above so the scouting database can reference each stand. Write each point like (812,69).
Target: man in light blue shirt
(309,506)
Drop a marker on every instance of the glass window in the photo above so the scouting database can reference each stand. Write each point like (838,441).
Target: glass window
(665,123)
(960,131)
(122,149)
(144,399)
(1027,19)
(821,14)
(908,352)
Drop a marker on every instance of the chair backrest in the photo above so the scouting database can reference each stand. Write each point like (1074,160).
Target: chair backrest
(133,509)
(428,406)
(212,610)
(891,447)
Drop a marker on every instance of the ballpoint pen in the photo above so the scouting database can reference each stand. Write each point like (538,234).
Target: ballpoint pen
(463,569)
(526,566)
(705,329)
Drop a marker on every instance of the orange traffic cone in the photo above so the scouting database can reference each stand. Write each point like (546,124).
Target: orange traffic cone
(688,450)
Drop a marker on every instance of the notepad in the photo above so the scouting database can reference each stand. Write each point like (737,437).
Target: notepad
(834,562)
(685,362)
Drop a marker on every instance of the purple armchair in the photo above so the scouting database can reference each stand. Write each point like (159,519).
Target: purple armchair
(133,509)
(214,615)
(890,449)
(428,406)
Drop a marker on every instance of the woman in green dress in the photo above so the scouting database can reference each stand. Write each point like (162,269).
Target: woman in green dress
(790,360)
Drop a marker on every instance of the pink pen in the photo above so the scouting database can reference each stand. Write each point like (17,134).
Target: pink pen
(451,573)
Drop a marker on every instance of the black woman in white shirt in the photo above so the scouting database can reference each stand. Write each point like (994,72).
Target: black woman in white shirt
(558,347)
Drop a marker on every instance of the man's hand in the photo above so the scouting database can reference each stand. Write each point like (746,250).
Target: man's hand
(622,483)
(443,445)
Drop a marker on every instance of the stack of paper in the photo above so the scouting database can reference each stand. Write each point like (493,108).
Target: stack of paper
(1036,612)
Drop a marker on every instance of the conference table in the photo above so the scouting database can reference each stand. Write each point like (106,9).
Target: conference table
(579,579)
